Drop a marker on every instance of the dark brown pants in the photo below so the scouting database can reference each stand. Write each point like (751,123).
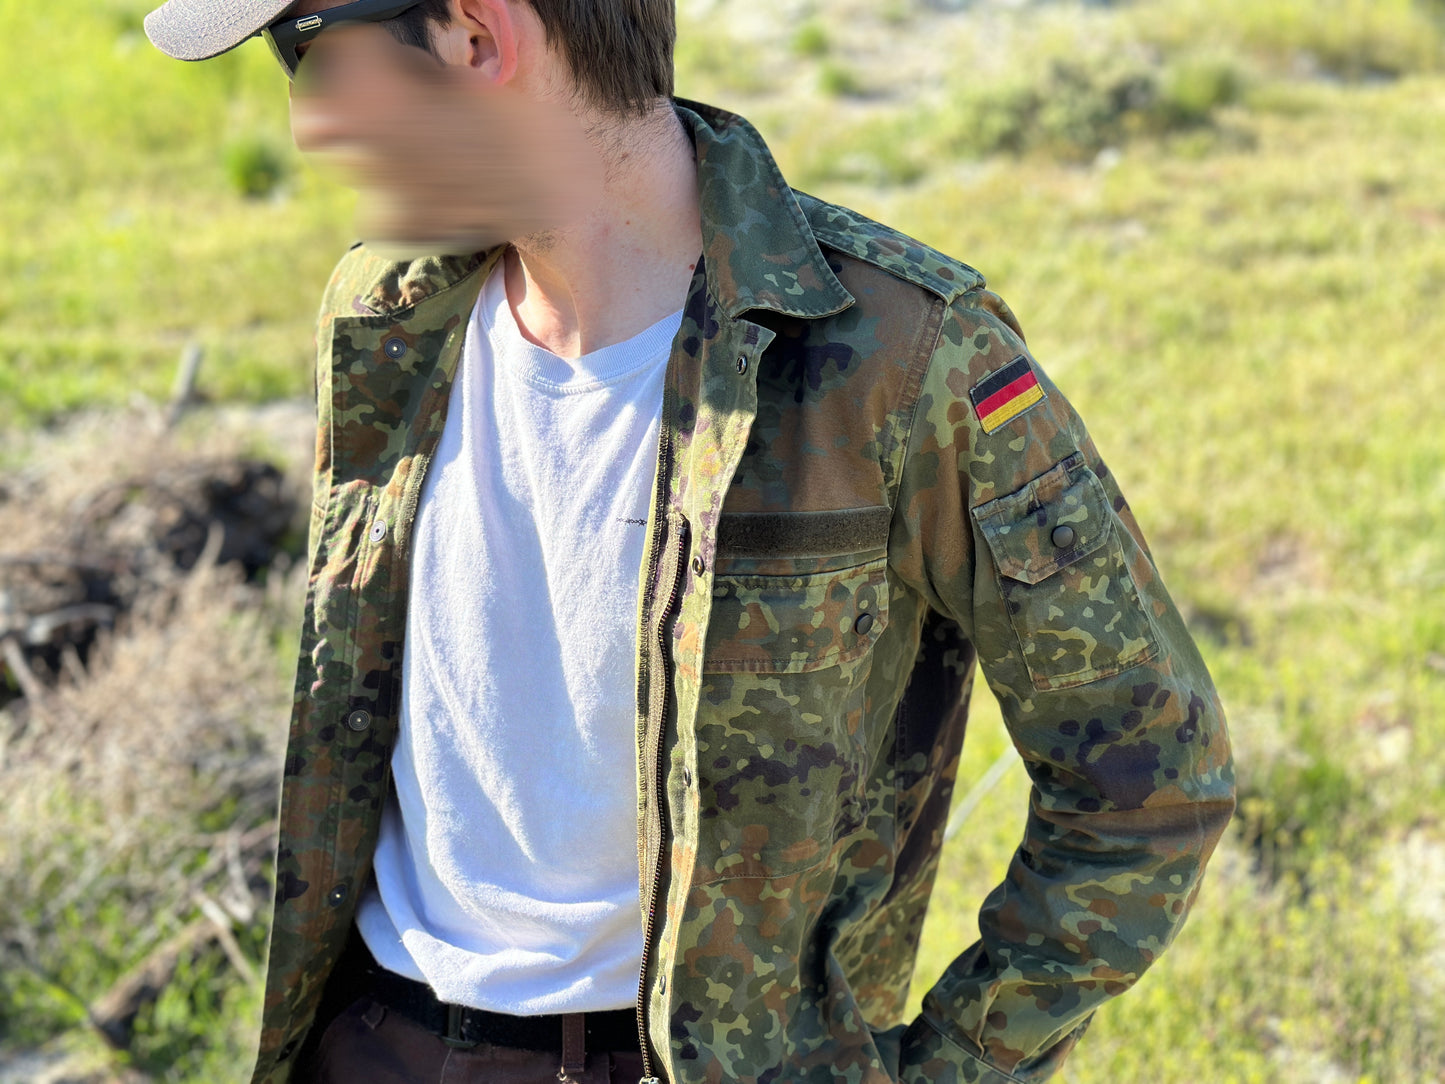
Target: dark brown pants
(371,1044)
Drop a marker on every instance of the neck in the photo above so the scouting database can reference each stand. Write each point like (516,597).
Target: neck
(628,263)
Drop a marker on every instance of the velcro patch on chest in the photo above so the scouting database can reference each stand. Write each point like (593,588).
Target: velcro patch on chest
(1003,395)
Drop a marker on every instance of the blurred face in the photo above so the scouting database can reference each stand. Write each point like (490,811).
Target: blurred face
(453,157)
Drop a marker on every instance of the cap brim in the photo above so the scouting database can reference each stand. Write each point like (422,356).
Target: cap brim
(201,29)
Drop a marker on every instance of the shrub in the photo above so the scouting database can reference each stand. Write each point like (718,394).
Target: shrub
(811,40)
(254,166)
(1193,88)
(1074,106)
(1071,107)
(139,797)
(837,80)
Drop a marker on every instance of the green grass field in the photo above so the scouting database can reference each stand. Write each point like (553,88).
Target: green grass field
(1222,226)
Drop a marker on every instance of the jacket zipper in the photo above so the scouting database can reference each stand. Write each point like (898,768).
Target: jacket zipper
(669,572)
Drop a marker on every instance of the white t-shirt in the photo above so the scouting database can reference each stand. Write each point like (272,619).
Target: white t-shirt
(506,868)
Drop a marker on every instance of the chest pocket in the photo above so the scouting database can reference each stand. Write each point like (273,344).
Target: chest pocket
(772,624)
(797,591)
(1063,565)
(779,753)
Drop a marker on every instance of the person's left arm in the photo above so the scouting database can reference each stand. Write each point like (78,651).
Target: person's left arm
(1009,523)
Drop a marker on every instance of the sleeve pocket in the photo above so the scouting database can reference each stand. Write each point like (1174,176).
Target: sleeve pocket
(1063,571)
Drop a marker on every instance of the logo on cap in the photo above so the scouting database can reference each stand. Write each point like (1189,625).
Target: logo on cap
(308,23)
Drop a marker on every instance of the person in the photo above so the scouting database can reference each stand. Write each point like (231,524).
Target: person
(653,547)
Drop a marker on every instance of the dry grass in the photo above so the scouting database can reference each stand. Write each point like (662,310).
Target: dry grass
(140,786)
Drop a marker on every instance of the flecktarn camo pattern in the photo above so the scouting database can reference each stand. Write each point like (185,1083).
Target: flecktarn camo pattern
(836,539)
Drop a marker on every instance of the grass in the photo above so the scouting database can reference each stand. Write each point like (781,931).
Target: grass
(1346,39)
(1251,335)
(1221,226)
(132,221)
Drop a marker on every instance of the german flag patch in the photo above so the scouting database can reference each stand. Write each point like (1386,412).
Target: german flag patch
(1003,395)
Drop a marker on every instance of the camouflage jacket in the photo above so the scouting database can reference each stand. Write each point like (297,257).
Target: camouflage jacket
(864,483)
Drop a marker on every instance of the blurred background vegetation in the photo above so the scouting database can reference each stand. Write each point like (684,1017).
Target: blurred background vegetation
(1221,224)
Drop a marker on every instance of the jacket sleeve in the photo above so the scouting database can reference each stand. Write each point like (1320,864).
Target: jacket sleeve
(1009,523)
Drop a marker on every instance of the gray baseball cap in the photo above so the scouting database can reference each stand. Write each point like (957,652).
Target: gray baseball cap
(201,29)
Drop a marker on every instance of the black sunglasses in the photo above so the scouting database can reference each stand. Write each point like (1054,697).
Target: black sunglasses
(285,36)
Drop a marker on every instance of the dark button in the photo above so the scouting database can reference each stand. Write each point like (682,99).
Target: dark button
(1063,536)
(378,530)
(863,624)
(742,364)
(697,564)
(337,896)
(287,1050)
(394,348)
(359,719)
(686,777)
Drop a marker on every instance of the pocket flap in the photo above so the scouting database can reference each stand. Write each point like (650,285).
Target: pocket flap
(1058,518)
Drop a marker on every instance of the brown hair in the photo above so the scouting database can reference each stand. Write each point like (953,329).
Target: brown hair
(620,51)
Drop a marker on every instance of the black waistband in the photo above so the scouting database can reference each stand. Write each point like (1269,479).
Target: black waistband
(613,1030)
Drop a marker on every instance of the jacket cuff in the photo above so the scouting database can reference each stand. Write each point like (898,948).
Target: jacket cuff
(930,1058)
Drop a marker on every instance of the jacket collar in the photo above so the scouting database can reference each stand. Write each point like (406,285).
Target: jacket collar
(758,248)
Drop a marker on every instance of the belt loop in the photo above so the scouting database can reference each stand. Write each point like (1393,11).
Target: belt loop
(453,1037)
(574,1046)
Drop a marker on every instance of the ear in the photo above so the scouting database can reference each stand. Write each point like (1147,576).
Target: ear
(483,36)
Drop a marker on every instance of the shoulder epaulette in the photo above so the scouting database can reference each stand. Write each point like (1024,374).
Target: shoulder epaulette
(857,235)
